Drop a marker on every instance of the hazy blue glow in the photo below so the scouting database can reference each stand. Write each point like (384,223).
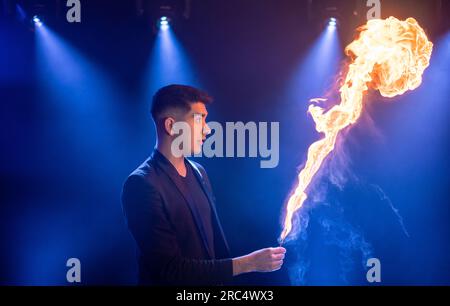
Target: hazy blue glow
(168,64)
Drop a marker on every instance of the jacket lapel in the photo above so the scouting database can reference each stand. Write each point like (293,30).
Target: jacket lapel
(211,200)
(174,177)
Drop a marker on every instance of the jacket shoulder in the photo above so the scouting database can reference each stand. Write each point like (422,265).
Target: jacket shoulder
(144,175)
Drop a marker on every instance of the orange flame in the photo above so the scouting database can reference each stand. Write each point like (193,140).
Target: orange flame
(389,55)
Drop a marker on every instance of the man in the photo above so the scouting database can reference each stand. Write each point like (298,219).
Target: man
(169,204)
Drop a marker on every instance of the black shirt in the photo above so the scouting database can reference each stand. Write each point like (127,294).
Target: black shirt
(201,203)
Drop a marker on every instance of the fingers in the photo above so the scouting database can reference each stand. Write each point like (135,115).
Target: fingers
(278,250)
(276,265)
(277,254)
(269,259)
(277,257)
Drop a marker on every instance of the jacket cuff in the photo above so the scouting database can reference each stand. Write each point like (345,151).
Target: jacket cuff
(225,269)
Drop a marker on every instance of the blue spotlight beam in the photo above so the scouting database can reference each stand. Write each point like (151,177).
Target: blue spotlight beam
(82,100)
(318,68)
(84,143)
(168,64)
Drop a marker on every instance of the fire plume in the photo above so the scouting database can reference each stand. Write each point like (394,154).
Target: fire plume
(388,55)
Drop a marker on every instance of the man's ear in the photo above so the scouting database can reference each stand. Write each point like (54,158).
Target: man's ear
(168,125)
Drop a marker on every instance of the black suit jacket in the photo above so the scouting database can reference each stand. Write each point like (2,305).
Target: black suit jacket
(172,244)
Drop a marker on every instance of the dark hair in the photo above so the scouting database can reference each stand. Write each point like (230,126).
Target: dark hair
(177,96)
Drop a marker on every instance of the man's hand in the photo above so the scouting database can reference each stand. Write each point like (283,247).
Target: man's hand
(264,260)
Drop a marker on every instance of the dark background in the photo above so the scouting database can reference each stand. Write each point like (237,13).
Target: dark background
(66,156)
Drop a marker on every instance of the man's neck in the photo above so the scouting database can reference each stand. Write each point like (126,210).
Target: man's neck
(177,162)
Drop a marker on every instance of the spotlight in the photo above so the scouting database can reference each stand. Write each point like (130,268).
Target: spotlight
(37,21)
(332,22)
(164,23)
(165,15)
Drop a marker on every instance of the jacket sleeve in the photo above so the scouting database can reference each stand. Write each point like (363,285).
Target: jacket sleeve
(150,226)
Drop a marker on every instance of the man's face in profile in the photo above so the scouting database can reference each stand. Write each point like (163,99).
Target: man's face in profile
(196,119)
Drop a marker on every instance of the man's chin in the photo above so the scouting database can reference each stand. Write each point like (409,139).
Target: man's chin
(197,150)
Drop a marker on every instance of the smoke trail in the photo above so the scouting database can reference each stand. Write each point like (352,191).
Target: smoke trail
(384,197)
(337,233)
(349,240)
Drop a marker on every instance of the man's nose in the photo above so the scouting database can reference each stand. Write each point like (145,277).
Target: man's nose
(206,129)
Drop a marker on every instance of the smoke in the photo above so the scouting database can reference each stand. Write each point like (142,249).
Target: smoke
(349,241)
(298,270)
(326,218)
(384,197)
(334,231)
(331,224)
(338,168)
(300,222)
(297,243)
(333,227)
